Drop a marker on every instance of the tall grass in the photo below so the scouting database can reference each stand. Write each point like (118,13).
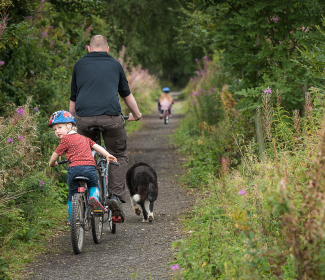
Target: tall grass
(263,217)
(144,86)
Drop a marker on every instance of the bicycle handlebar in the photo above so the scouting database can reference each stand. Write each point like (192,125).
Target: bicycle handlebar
(62,162)
(126,117)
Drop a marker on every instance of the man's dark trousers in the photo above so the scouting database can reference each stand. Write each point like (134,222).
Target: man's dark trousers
(115,138)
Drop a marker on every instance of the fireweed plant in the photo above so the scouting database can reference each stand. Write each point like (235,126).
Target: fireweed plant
(255,217)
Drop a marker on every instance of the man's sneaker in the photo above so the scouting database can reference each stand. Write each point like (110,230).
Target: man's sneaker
(96,204)
(115,205)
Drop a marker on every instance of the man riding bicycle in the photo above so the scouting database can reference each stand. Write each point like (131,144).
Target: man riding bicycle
(96,79)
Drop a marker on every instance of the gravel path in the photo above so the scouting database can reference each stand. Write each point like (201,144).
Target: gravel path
(141,248)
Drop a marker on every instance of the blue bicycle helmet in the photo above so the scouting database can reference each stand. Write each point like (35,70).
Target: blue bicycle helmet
(166,89)
(61,117)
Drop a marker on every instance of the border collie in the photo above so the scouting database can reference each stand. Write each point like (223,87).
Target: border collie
(142,182)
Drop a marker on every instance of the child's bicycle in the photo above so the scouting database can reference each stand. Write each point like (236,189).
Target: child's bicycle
(166,116)
(83,216)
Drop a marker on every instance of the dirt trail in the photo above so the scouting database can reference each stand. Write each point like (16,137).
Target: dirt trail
(136,247)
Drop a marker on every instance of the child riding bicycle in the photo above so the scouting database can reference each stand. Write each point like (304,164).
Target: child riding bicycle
(165,102)
(77,149)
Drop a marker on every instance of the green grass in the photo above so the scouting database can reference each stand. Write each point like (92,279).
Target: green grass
(49,227)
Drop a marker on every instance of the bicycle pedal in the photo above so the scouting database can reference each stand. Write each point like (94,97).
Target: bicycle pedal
(116,220)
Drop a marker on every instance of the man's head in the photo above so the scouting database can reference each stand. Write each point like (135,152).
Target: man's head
(98,43)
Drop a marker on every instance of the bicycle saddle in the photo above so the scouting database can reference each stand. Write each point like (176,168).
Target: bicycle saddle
(81,178)
(95,129)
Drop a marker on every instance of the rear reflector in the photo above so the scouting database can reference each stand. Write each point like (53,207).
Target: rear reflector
(81,189)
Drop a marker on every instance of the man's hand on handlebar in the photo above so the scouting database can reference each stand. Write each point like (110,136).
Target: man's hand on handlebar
(54,164)
(132,118)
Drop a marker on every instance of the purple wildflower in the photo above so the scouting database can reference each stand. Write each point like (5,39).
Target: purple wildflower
(90,27)
(30,17)
(43,1)
(213,113)
(10,141)
(198,73)
(295,46)
(19,112)
(268,91)
(44,34)
(312,88)
(213,88)
(58,51)
(41,183)
(68,43)
(205,57)
(123,47)
(52,42)
(20,138)
(276,19)
(196,60)
(2,62)
(35,109)
(50,27)
(175,267)
(280,42)
(86,47)
(191,79)
(242,192)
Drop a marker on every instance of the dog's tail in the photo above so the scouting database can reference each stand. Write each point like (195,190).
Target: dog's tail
(153,192)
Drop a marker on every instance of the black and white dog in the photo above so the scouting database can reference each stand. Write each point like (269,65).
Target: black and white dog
(142,182)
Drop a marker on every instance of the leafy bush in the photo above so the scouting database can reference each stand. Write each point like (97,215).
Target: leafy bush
(264,218)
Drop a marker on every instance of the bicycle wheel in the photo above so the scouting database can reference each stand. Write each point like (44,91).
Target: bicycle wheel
(111,226)
(97,228)
(166,118)
(76,222)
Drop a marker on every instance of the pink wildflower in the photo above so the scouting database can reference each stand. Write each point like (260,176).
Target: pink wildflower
(175,267)
(20,138)
(11,141)
(242,192)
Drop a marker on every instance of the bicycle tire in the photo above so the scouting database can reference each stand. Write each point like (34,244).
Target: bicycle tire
(76,222)
(97,228)
(166,119)
(111,225)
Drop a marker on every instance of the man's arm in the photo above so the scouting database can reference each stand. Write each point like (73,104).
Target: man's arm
(72,108)
(130,101)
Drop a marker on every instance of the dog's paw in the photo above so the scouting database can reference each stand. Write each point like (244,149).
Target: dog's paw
(150,219)
(145,221)
(137,211)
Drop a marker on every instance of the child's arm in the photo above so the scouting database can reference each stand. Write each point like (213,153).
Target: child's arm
(53,160)
(102,151)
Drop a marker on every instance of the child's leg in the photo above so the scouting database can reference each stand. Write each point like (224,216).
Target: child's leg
(91,173)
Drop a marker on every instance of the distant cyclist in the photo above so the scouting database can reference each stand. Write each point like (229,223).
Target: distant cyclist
(165,102)
(77,149)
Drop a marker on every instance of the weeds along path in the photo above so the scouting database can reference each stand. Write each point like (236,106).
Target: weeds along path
(141,248)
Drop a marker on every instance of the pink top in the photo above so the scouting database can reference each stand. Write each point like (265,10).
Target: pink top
(165,104)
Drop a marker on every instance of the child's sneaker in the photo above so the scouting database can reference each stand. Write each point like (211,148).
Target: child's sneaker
(96,204)
(161,116)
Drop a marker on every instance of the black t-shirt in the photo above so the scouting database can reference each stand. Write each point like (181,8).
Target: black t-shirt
(96,79)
